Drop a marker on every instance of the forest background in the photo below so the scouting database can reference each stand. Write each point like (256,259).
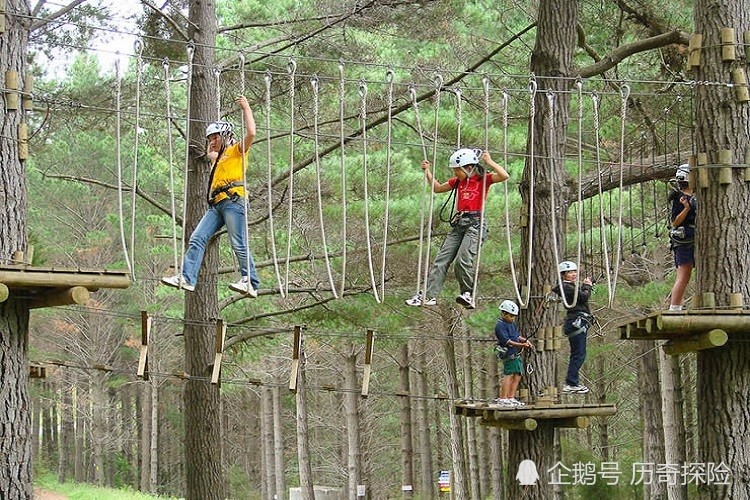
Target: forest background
(94,420)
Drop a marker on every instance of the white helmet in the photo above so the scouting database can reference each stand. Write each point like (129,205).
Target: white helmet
(566,266)
(682,172)
(223,128)
(509,307)
(463,157)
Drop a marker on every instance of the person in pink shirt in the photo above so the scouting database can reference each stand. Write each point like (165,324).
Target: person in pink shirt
(471,183)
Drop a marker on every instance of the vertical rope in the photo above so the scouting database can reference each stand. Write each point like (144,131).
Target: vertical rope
(363,120)
(291,69)
(170,160)
(314,83)
(243,160)
(190,53)
(118,138)
(486,110)
(415,105)
(269,162)
(217,78)
(388,159)
(342,148)
(138,46)
(602,230)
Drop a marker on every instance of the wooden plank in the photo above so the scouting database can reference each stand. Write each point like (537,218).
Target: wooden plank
(369,348)
(62,297)
(145,337)
(707,340)
(296,349)
(26,277)
(686,324)
(221,335)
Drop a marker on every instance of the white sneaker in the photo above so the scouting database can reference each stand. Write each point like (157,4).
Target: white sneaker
(504,402)
(178,281)
(417,301)
(466,300)
(244,286)
(516,402)
(575,389)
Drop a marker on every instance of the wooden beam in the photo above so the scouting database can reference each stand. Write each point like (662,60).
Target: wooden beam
(62,297)
(27,277)
(145,337)
(525,424)
(221,335)
(4,292)
(296,349)
(369,347)
(689,323)
(708,340)
(572,422)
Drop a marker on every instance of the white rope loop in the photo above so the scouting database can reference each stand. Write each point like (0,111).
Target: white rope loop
(267,78)
(291,69)
(190,48)
(170,160)
(138,48)
(342,148)
(217,81)
(243,160)
(366,194)
(423,198)
(602,231)
(624,95)
(118,140)
(314,83)
(459,115)
(389,75)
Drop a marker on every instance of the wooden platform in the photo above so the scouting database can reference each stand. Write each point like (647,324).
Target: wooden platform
(49,286)
(530,416)
(689,330)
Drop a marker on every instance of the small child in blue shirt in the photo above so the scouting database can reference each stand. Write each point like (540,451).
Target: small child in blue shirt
(509,337)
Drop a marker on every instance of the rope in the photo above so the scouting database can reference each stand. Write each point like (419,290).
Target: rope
(438,86)
(602,234)
(217,79)
(315,88)
(291,69)
(139,74)
(388,160)
(269,162)
(415,105)
(363,119)
(486,106)
(190,54)
(118,136)
(243,160)
(342,146)
(170,160)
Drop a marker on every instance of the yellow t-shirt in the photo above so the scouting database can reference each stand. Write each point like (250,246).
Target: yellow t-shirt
(228,170)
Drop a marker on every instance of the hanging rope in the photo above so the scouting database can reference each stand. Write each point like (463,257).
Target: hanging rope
(170,160)
(486,106)
(243,160)
(602,230)
(415,105)
(217,81)
(363,120)
(269,162)
(438,87)
(291,69)
(118,136)
(388,159)
(315,88)
(134,185)
(190,53)
(342,148)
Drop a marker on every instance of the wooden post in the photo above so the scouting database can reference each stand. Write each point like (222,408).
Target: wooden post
(708,340)
(736,301)
(17,258)
(23,141)
(28,88)
(145,336)
(296,349)
(558,336)
(740,85)
(573,422)
(62,297)
(369,347)
(4,292)
(12,101)
(727,45)
(694,50)
(725,172)
(2,16)
(526,424)
(702,160)
(708,299)
(221,335)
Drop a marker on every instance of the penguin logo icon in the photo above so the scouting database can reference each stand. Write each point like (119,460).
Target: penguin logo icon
(527,474)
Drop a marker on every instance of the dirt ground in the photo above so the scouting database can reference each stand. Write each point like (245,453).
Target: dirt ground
(48,495)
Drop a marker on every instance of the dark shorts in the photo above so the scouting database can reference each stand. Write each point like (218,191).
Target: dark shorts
(684,254)
(513,366)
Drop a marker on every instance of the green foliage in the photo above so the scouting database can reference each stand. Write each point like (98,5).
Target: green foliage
(82,491)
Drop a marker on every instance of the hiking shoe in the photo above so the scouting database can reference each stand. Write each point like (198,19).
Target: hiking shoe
(243,286)
(575,389)
(466,300)
(178,281)
(417,301)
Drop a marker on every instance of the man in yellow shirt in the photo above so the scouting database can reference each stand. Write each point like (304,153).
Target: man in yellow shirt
(226,205)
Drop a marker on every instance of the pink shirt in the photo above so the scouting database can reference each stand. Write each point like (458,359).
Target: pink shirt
(470,195)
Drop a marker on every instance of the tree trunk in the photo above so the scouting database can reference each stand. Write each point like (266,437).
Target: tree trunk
(67,431)
(306,480)
(145,448)
(407,448)
(458,486)
(651,416)
(278,442)
(423,418)
(351,416)
(471,432)
(80,410)
(266,432)
(674,423)
(203,416)
(98,426)
(722,240)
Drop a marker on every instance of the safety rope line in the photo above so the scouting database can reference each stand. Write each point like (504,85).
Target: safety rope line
(217,82)
(189,89)
(486,106)
(138,46)
(602,230)
(243,162)
(314,83)
(291,70)
(170,160)
(118,142)
(342,148)
(415,106)
(269,185)
(366,194)
(438,80)
(553,155)
(388,160)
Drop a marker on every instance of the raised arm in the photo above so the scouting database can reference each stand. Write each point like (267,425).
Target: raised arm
(499,174)
(436,186)
(249,121)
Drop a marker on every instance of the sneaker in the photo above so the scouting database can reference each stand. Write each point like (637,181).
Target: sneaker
(503,402)
(575,389)
(417,301)
(516,402)
(244,286)
(466,300)
(178,281)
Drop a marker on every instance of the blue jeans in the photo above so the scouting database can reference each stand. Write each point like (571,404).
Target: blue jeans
(231,213)
(577,355)
(460,244)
